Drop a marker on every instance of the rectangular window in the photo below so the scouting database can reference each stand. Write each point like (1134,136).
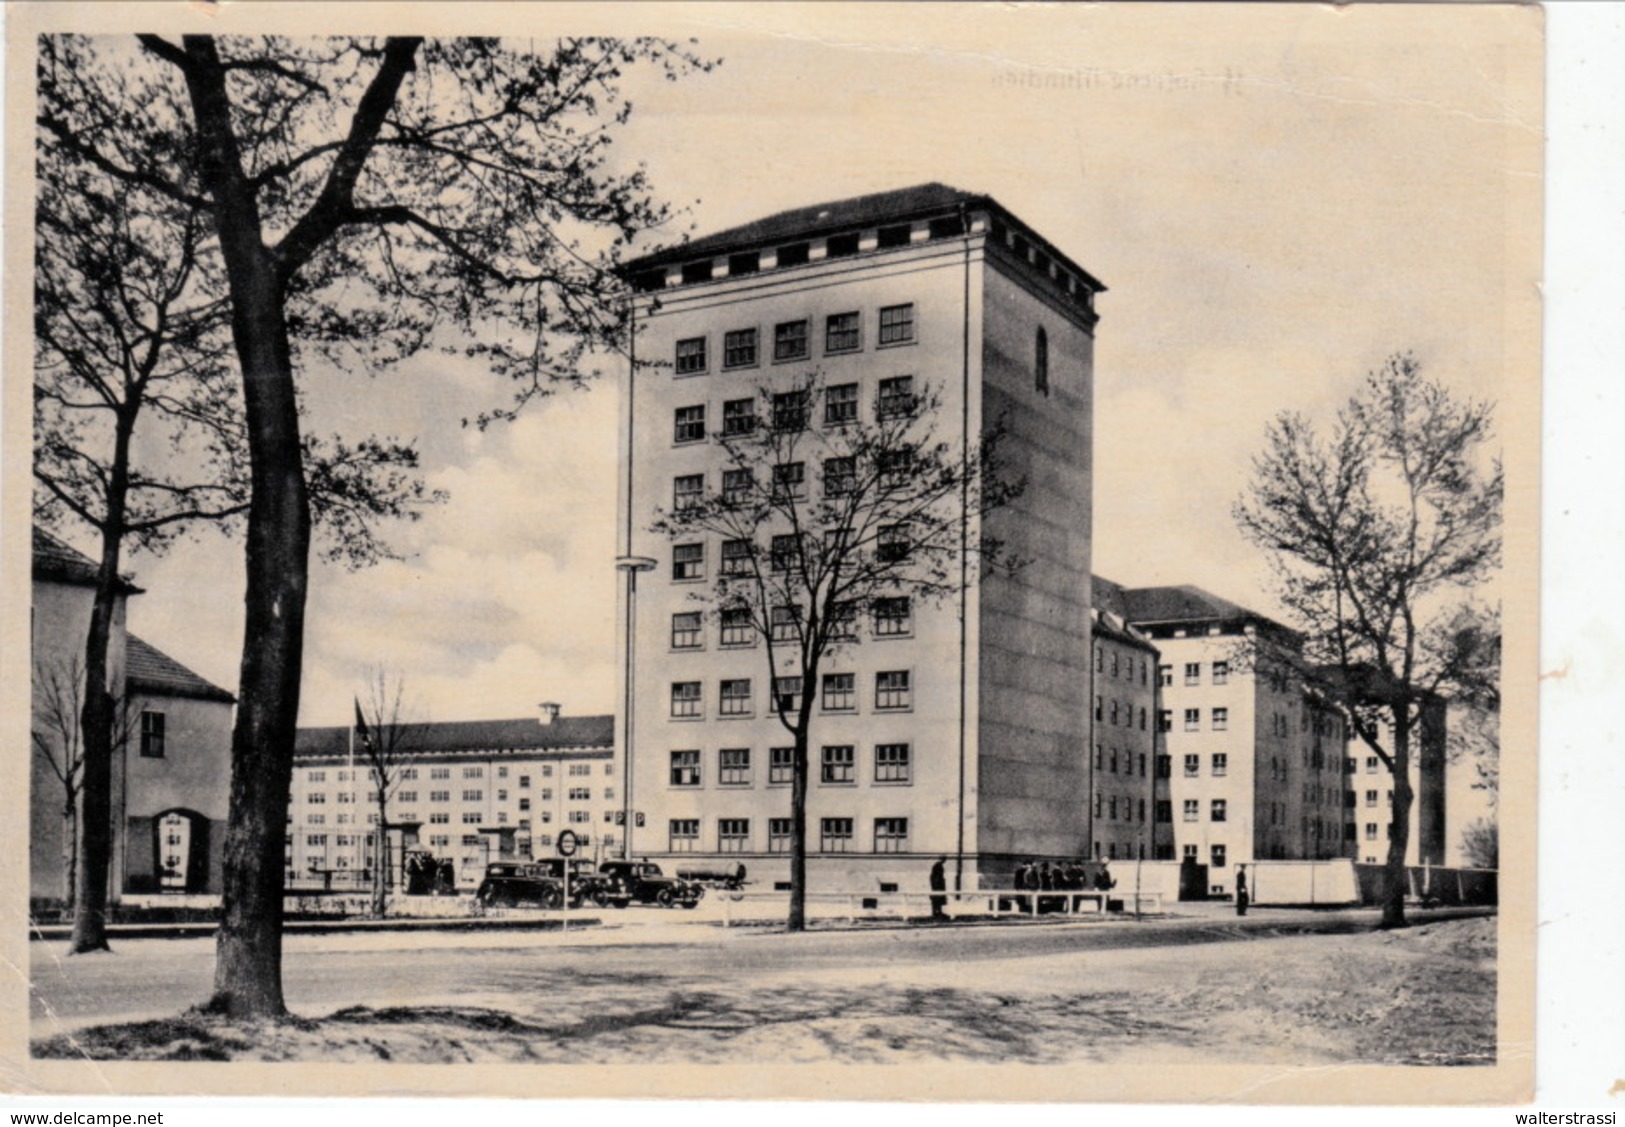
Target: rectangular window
(840,476)
(688,561)
(1372,764)
(1193,673)
(892,763)
(840,692)
(1165,766)
(892,543)
(838,764)
(152,734)
(842,332)
(891,835)
(1218,810)
(1221,672)
(735,697)
(1165,675)
(736,557)
(473,772)
(690,356)
(1165,719)
(790,410)
(782,621)
(733,767)
(439,772)
(835,835)
(784,552)
(893,616)
(1371,831)
(685,700)
(781,765)
(1193,809)
(689,424)
(790,481)
(1193,766)
(787,695)
(473,796)
(896,324)
(736,627)
(1164,810)
(1221,719)
(896,398)
(778,835)
(747,262)
(896,467)
(687,491)
(843,621)
(733,835)
(790,339)
(737,486)
(841,404)
(1216,854)
(685,768)
(1370,798)
(472,817)
(318,776)
(580,794)
(685,635)
(738,416)
(1221,764)
(685,835)
(739,349)
(1193,720)
(892,690)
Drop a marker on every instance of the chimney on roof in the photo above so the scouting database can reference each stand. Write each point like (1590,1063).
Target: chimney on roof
(550,712)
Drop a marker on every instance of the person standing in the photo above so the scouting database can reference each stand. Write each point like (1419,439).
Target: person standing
(939,885)
(1241,890)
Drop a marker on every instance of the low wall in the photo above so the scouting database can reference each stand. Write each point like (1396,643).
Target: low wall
(1303,882)
(1433,884)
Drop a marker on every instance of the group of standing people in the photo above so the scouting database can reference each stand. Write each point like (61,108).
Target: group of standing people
(1059,876)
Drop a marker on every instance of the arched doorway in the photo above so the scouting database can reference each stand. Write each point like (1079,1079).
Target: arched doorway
(181,851)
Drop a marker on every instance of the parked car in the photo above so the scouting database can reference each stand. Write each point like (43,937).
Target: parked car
(643,882)
(587,885)
(729,875)
(508,883)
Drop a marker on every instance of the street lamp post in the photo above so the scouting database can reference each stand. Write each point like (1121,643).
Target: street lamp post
(631,565)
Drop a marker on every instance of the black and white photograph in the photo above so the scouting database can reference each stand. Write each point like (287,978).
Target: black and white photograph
(830,551)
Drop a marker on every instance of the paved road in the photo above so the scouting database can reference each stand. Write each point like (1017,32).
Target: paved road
(640,949)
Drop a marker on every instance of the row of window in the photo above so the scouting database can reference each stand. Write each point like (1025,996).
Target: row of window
(892,617)
(1219,768)
(1193,810)
(1121,665)
(837,765)
(1220,719)
(895,469)
(1105,762)
(893,692)
(1106,808)
(792,340)
(835,835)
(1193,673)
(793,410)
(411,774)
(787,552)
(1125,712)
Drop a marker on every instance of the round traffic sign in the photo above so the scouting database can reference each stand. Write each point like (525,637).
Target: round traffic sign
(567,843)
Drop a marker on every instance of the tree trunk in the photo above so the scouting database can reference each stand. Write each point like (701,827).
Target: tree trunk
(1395,878)
(70,852)
(798,833)
(248,963)
(96,717)
(380,861)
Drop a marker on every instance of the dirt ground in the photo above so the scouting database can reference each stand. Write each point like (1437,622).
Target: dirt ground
(1421,996)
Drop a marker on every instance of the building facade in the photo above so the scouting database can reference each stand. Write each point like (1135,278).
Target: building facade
(1370,795)
(960,730)
(1127,791)
(1254,764)
(470,791)
(172,755)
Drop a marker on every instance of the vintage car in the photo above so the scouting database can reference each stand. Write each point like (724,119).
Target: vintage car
(508,883)
(587,885)
(643,882)
(729,875)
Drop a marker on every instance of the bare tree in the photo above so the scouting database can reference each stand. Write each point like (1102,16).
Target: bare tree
(1379,535)
(385,732)
(368,197)
(1481,844)
(827,528)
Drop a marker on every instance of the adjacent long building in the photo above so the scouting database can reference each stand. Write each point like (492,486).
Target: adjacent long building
(961,729)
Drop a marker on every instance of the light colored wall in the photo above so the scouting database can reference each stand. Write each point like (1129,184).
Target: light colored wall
(60,620)
(1034,726)
(194,774)
(929,275)
(1124,815)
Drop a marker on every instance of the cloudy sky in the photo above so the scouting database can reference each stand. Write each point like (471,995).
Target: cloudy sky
(1276,197)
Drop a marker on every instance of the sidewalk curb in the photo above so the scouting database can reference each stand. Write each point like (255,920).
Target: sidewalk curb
(52,932)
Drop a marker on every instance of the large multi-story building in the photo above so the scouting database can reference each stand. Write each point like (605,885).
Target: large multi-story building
(1370,793)
(1127,792)
(1253,762)
(961,729)
(471,791)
